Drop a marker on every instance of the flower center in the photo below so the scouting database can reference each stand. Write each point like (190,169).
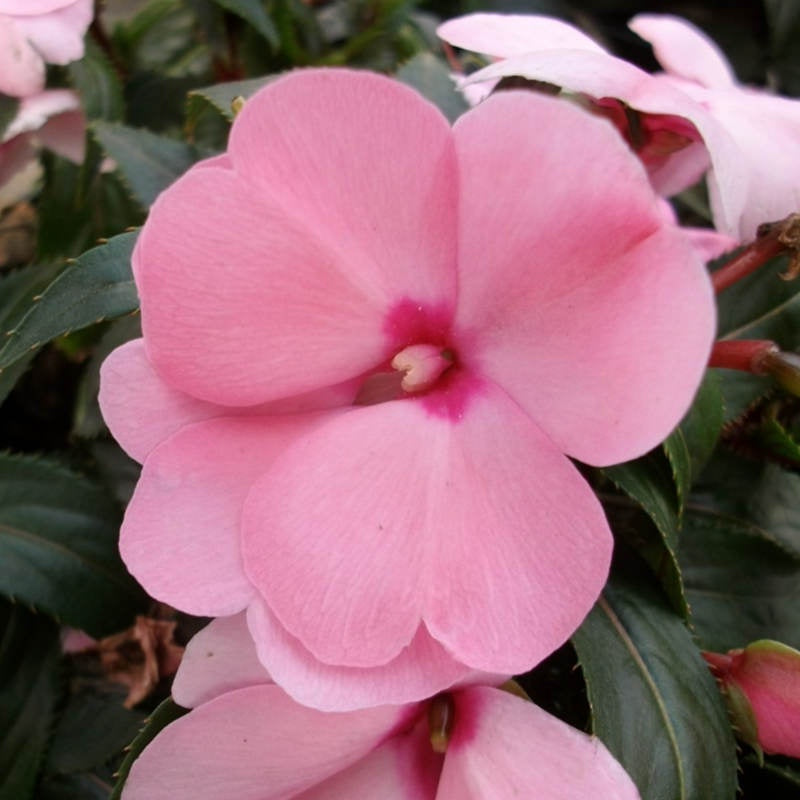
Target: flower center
(441,716)
(422,365)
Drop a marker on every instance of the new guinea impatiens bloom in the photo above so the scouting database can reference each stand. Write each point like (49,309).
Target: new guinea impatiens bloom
(52,119)
(33,32)
(370,343)
(247,739)
(696,105)
(762,686)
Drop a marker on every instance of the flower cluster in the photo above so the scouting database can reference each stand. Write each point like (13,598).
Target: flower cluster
(372,343)
(693,117)
(32,33)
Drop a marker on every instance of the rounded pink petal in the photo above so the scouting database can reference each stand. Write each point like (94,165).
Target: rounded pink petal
(474,524)
(139,408)
(58,34)
(402,768)
(505,35)
(504,746)
(421,670)
(36,110)
(220,658)
(21,67)
(684,50)
(274,277)
(255,744)
(770,175)
(180,536)
(378,185)
(33,8)
(599,318)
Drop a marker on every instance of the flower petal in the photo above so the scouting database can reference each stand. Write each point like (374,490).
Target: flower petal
(421,670)
(402,768)
(139,408)
(180,536)
(255,744)
(21,67)
(505,35)
(475,524)
(504,746)
(142,410)
(274,277)
(58,34)
(684,50)
(219,659)
(571,318)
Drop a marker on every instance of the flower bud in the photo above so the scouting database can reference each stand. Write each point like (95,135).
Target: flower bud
(762,688)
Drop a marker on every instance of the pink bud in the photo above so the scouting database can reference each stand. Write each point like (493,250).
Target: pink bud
(762,686)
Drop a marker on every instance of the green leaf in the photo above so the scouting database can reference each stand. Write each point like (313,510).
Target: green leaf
(431,78)
(773,506)
(691,444)
(58,546)
(654,702)
(778,441)
(647,481)
(167,712)
(97,287)
(91,731)
(17,292)
(97,84)
(761,306)
(29,690)
(221,96)
(87,786)
(742,585)
(148,163)
(8,110)
(252,11)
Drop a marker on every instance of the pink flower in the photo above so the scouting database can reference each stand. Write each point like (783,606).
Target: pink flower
(51,119)
(750,117)
(697,106)
(33,32)
(517,275)
(247,739)
(762,686)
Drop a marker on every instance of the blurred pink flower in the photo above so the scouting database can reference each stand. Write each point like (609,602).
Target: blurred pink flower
(515,272)
(247,739)
(33,32)
(696,103)
(51,119)
(770,175)
(762,686)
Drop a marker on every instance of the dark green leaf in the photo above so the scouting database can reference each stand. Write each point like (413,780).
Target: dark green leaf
(252,11)
(691,444)
(29,689)
(431,78)
(779,442)
(91,731)
(148,163)
(221,96)
(58,546)
(761,306)
(654,702)
(17,292)
(741,584)
(773,505)
(167,712)
(97,287)
(97,84)
(8,110)
(86,786)
(647,481)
